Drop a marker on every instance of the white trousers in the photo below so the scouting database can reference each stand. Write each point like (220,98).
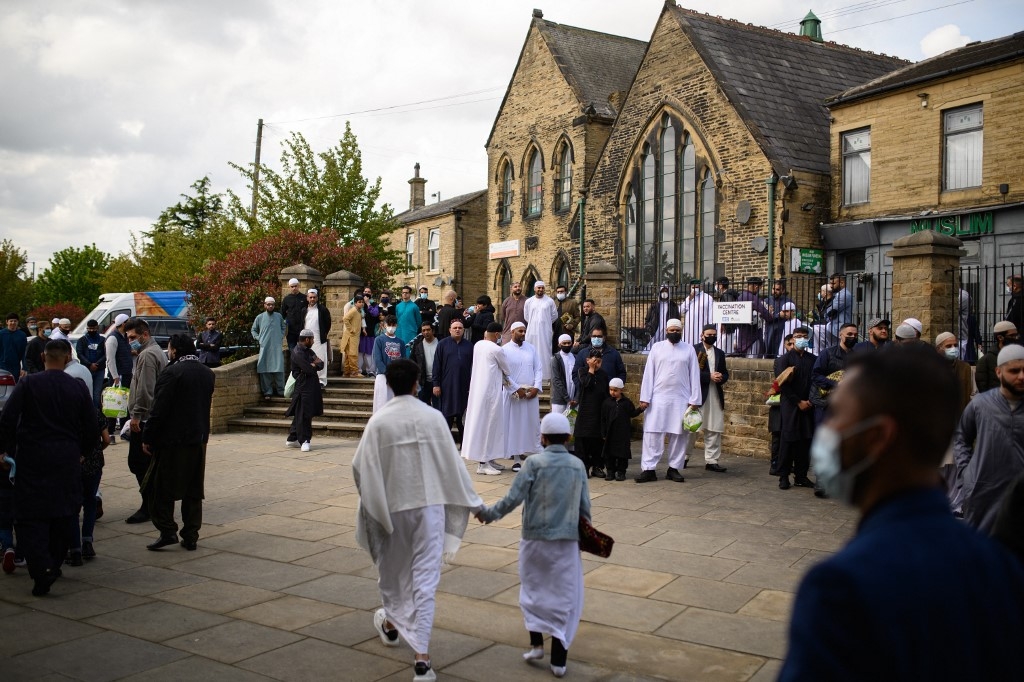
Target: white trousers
(654,446)
(382,393)
(410,570)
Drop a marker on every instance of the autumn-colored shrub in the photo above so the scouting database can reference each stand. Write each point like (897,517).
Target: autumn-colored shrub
(233,289)
(58,310)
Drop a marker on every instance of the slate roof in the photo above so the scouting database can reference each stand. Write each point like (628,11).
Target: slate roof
(959,60)
(438,208)
(779,81)
(594,65)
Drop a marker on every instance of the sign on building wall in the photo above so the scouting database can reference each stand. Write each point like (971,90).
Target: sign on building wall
(733,312)
(810,261)
(966,225)
(505,249)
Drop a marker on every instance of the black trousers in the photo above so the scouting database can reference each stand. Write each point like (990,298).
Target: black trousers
(795,457)
(559,653)
(456,422)
(138,464)
(301,430)
(44,543)
(589,449)
(161,513)
(613,463)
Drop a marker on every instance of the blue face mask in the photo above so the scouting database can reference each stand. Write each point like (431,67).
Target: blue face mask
(826,458)
(802,344)
(135,345)
(597,341)
(47,332)
(423,295)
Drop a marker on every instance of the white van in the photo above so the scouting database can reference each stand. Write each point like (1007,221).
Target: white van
(145,303)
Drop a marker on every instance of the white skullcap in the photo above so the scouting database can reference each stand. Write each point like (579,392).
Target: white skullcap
(564,337)
(292,282)
(269,299)
(55,321)
(517,325)
(65,320)
(120,319)
(616,383)
(1003,326)
(1010,353)
(312,291)
(915,323)
(789,305)
(905,331)
(673,323)
(539,284)
(307,334)
(943,337)
(554,423)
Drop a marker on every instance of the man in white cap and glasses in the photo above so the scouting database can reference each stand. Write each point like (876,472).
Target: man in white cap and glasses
(989,445)
(553,488)
(293,309)
(522,413)
(268,329)
(483,437)
(318,320)
(540,313)
(670,386)
(410,523)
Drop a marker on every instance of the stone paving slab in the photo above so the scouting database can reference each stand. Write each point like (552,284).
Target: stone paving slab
(700,585)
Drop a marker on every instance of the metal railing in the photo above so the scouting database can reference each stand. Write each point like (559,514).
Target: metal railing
(980,300)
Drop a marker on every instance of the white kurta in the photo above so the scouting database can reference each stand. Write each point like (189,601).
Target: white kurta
(483,436)
(671,383)
(540,314)
(522,415)
(319,342)
(696,313)
(787,329)
(551,587)
(711,414)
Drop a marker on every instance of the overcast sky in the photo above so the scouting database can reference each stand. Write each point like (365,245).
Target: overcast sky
(112,108)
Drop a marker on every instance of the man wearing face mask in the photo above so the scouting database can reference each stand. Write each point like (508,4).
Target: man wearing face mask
(1004,334)
(660,312)
(148,365)
(697,309)
(878,608)
(1015,304)
(796,411)
(948,348)
(670,386)
(988,445)
(828,369)
(713,375)
(428,309)
(386,349)
(568,315)
(611,360)
(563,376)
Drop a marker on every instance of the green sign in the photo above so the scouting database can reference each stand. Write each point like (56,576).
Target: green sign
(966,225)
(810,261)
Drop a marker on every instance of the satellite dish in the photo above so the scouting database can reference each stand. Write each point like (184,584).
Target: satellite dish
(743,212)
(438,281)
(759,244)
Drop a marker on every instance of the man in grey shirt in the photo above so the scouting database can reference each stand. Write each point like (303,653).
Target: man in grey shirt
(151,361)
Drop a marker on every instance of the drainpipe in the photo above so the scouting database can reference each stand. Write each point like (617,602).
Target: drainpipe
(583,267)
(772,179)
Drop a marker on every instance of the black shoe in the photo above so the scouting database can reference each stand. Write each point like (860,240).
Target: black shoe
(686,462)
(423,672)
(42,585)
(784,483)
(87,551)
(820,493)
(803,483)
(609,476)
(138,517)
(620,475)
(646,476)
(74,558)
(674,475)
(598,472)
(714,466)
(190,545)
(773,471)
(162,541)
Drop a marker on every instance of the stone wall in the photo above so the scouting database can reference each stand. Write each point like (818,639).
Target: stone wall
(237,387)
(746,415)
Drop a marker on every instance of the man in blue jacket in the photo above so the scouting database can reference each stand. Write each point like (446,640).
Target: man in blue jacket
(916,594)
(93,356)
(611,361)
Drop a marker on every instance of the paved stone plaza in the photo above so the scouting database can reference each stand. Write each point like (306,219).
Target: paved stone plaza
(699,586)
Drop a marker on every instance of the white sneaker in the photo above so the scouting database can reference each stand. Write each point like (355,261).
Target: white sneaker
(497,465)
(534,654)
(305,447)
(558,670)
(291,443)
(379,617)
(487,470)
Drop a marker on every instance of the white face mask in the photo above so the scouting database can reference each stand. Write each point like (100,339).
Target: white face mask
(560,296)
(826,458)
(802,344)
(1009,290)
(390,330)
(664,295)
(952,353)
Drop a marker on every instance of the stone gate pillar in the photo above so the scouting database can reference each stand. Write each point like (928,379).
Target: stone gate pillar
(926,281)
(603,283)
(337,290)
(309,278)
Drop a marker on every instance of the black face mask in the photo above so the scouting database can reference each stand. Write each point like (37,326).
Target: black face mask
(850,341)
(674,337)
(710,340)
(565,349)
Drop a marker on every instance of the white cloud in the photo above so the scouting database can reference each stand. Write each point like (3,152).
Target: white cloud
(943,39)
(132,128)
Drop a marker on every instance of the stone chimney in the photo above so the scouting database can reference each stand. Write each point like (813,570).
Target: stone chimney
(417,189)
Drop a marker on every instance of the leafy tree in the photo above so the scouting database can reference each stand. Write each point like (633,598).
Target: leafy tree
(317,192)
(233,289)
(59,310)
(73,276)
(195,214)
(15,284)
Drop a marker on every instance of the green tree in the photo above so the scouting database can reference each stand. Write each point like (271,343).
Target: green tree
(318,192)
(195,214)
(73,276)
(15,284)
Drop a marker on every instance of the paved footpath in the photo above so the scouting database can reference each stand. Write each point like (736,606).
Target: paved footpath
(699,586)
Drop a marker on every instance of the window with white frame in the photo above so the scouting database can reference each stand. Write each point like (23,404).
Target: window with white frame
(434,250)
(962,153)
(410,251)
(856,166)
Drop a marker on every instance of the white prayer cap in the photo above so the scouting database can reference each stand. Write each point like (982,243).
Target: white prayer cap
(554,423)
(65,320)
(915,323)
(1010,353)
(538,283)
(293,282)
(312,291)
(673,323)
(308,333)
(518,325)
(120,319)
(617,382)
(55,321)
(943,337)
(564,337)
(269,299)
(905,331)
(789,305)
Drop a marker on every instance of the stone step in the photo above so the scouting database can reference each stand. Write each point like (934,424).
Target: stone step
(336,400)
(330,415)
(274,425)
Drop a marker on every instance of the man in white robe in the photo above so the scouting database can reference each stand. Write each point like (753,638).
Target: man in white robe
(318,320)
(268,329)
(541,312)
(670,386)
(697,310)
(483,439)
(522,415)
(415,498)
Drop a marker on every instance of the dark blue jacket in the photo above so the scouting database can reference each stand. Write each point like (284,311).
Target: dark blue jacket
(915,595)
(705,373)
(611,363)
(91,348)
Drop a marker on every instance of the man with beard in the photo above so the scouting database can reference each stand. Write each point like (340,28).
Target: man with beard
(1004,334)
(148,365)
(453,366)
(540,313)
(484,439)
(522,413)
(268,329)
(175,440)
(293,309)
(512,311)
(307,400)
(878,335)
(318,320)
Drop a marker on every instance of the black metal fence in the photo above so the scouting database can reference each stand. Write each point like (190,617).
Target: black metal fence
(981,297)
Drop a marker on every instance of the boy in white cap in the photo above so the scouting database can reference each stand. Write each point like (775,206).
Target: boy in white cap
(617,430)
(553,485)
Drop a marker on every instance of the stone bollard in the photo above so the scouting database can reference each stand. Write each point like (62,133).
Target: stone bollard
(925,282)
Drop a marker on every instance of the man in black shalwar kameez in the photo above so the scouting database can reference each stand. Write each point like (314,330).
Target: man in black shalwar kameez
(308,399)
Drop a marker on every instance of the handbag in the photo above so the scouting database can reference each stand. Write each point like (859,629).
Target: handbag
(594,541)
(114,402)
(289,386)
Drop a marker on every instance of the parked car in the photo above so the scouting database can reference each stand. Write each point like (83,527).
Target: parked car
(161,329)
(6,386)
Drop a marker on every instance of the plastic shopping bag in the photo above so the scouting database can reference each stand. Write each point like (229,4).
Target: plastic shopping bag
(114,401)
